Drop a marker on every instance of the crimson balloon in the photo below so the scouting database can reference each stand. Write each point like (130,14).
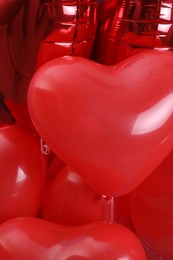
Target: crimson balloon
(41,30)
(20,40)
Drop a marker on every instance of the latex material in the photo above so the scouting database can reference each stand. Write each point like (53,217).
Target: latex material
(8,9)
(71,30)
(55,165)
(69,201)
(21,176)
(125,25)
(37,239)
(110,124)
(151,210)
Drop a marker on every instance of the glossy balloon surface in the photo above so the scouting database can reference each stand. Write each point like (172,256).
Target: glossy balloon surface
(126,25)
(69,201)
(106,47)
(55,165)
(71,29)
(35,239)
(151,210)
(21,173)
(113,125)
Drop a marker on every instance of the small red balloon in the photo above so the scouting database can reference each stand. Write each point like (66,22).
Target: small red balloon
(70,201)
(22,176)
(30,238)
(106,121)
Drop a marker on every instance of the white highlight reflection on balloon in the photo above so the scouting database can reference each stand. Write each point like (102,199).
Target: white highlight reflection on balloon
(123,258)
(155,117)
(21,176)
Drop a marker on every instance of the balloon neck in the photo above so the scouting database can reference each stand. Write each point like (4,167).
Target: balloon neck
(108,208)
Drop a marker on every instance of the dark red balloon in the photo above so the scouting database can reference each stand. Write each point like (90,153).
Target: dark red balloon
(127,25)
(19,44)
(151,208)
(30,238)
(104,121)
(106,45)
(53,29)
(22,176)
(69,200)
(8,9)
(71,31)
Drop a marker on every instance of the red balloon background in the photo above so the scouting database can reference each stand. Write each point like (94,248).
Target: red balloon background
(36,31)
(151,209)
(19,43)
(102,121)
(112,125)
(8,9)
(72,29)
(125,27)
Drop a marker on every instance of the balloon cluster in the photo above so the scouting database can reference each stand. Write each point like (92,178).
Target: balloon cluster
(86,130)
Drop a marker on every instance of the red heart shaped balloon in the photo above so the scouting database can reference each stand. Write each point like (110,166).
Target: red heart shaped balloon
(30,238)
(112,125)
